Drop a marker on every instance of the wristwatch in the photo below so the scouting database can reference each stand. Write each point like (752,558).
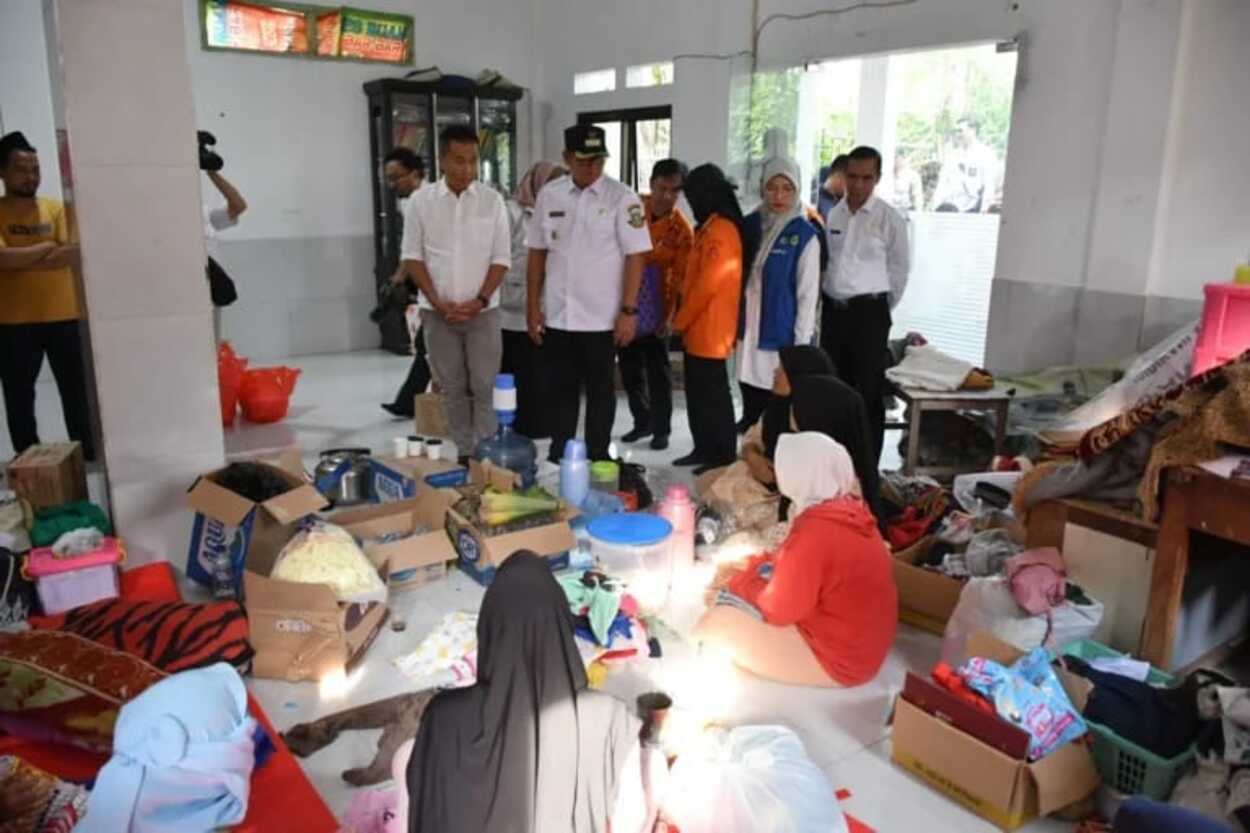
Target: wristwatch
(628,310)
(485,301)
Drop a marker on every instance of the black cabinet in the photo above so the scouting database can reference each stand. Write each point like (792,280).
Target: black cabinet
(412,114)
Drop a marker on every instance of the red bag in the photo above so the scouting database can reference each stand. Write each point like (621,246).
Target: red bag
(230,369)
(266,392)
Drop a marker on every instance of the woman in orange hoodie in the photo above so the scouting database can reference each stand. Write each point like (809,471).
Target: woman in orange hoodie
(707,317)
(822,610)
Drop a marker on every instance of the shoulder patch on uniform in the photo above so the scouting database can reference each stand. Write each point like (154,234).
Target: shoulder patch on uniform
(635,216)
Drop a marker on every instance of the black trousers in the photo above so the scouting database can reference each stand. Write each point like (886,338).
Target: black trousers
(520,358)
(648,378)
(710,408)
(22,349)
(754,403)
(577,362)
(418,378)
(856,336)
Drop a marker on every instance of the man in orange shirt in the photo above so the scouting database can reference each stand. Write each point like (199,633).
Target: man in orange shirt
(39,304)
(645,369)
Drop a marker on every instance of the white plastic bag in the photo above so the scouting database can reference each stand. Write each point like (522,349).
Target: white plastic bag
(328,554)
(748,780)
(986,604)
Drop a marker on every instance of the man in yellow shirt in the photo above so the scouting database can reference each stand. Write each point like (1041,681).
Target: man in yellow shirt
(39,304)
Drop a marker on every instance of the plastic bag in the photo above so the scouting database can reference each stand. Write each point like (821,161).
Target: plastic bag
(328,554)
(987,605)
(1044,711)
(750,779)
(265,393)
(230,369)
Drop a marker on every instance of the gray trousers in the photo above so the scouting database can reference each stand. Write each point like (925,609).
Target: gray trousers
(464,359)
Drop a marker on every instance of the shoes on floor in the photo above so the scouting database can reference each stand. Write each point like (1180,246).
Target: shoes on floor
(636,435)
(396,411)
(694,458)
(659,443)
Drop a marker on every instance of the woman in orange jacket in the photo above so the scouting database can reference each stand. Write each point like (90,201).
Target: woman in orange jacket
(707,317)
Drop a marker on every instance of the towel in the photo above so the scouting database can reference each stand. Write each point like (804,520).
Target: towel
(927,368)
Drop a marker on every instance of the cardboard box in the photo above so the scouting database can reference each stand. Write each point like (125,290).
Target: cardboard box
(303,632)
(480,555)
(430,416)
(49,475)
(926,598)
(394,479)
(252,533)
(415,560)
(1004,790)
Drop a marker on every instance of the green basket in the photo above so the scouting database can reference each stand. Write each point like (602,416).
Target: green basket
(1124,765)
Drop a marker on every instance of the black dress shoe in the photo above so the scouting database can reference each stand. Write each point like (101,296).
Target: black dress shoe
(636,435)
(396,411)
(659,443)
(694,458)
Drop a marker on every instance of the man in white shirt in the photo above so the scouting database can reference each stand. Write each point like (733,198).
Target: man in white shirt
(865,279)
(457,248)
(586,242)
(968,180)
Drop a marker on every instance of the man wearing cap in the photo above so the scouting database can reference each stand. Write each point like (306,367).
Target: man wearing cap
(587,245)
(39,304)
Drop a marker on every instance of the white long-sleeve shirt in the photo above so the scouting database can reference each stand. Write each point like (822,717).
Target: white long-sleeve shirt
(868,251)
(755,366)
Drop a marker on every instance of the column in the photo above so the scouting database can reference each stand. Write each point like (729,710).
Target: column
(123,77)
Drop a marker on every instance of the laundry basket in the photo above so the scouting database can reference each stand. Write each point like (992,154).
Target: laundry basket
(1124,765)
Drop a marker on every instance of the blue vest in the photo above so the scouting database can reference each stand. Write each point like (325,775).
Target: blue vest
(779,294)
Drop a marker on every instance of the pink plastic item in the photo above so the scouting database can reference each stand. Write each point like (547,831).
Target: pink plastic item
(65,583)
(678,510)
(1224,333)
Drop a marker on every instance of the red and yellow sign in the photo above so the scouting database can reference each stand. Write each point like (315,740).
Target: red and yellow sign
(234,25)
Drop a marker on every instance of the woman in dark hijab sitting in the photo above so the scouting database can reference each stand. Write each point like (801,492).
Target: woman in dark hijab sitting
(528,748)
(831,407)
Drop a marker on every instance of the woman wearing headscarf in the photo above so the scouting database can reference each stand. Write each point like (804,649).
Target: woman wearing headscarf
(782,287)
(518,350)
(746,492)
(528,748)
(822,609)
(707,316)
(830,406)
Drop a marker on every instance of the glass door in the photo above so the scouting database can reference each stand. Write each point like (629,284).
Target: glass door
(496,130)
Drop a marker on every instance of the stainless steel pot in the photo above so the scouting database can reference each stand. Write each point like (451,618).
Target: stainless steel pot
(342,475)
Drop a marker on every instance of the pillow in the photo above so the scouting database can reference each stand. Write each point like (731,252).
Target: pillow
(63,686)
(173,636)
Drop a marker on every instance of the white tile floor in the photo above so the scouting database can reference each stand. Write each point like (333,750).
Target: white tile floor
(337,404)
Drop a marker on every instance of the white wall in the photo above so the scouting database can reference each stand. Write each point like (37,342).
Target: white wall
(25,86)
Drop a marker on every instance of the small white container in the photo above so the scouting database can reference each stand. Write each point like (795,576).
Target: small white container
(399,447)
(416,446)
(435,448)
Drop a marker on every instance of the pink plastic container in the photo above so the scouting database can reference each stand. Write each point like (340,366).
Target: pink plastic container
(64,583)
(1224,333)
(678,509)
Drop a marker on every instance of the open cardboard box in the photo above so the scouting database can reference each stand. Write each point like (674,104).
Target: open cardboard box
(480,555)
(251,533)
(400,478)
(303,632)
(417,559)
(926,598)
(1003,789)
(49,475)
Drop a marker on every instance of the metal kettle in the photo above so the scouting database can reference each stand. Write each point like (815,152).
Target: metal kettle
(342,475)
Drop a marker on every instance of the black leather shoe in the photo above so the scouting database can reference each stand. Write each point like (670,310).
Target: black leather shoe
(636,435)
(691,459)
(396,411)
(659,443)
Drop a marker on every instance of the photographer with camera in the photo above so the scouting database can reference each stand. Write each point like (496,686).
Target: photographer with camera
(216,220)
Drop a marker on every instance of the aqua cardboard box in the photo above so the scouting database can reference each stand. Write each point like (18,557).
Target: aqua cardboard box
(394,479)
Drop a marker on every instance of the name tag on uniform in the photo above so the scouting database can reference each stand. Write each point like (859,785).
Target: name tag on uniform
(555,213)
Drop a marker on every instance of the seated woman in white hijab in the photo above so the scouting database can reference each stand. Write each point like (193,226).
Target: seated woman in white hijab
(784,247)
(821,610)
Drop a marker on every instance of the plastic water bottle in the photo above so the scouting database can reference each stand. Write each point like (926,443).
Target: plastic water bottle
(574,473)
(678,509)
(223,583)
(506,448)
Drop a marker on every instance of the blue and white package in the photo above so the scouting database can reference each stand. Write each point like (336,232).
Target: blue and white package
(1049,718)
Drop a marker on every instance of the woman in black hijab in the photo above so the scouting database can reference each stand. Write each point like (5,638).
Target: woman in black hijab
(528,748)
(832,407)
(796,363)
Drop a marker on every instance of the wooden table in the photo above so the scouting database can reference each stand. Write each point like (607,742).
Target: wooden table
(921,401)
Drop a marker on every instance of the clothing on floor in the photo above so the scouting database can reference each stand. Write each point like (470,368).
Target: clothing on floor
(989,551)
(832,407)
(599,604)
(647,377)
(447,654)
(418,379)
(36,296)
(710,409)
(528,748)
(708,315)
(578,361)
(22,351)
(520,358)
(1162,721)
(856,335)
(465,358)
(833,576)
(183,754)
(398,717)
(51,522)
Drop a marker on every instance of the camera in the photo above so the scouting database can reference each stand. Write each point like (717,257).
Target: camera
(209,160)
